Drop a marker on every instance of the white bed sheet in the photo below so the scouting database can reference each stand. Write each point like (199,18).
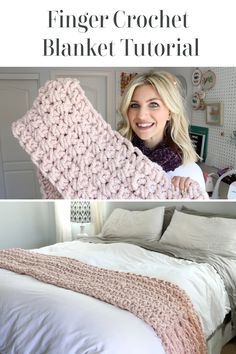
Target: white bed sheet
(41,318)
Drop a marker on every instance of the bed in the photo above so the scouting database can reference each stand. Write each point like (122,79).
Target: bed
(37,317)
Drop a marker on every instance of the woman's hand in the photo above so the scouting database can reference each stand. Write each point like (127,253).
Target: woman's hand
(182,183)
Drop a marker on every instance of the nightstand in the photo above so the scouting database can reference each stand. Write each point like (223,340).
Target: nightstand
(83,238)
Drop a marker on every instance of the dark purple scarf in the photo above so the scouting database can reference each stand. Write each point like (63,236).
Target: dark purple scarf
(163,154)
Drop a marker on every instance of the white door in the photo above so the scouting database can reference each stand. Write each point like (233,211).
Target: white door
(17,174)
(99,87)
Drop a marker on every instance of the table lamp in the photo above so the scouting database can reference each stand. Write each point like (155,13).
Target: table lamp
(80,212)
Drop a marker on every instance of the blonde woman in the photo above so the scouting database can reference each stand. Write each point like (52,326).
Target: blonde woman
(153,118)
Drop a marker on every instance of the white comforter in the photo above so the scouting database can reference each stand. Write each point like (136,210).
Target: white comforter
(40,318)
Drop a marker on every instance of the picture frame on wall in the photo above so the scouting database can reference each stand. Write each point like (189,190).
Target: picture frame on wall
(199,139)
(214,113)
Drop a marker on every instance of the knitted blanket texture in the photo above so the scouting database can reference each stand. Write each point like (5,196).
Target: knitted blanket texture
(80,156)
(164,306)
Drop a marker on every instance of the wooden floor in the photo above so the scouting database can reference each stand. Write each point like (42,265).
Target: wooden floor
(230,348)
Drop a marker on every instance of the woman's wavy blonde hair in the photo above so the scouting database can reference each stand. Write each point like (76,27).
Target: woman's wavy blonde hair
(176,130)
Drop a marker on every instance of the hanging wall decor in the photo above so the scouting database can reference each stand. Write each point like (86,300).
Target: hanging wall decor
(198,101)
(125,78)
(214,113)
(196,77)
(205,81)
(208,80)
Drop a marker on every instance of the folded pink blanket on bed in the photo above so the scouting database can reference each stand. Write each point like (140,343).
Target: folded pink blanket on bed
(80,156)
(164,306)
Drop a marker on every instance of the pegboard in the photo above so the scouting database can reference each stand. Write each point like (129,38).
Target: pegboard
(221,148)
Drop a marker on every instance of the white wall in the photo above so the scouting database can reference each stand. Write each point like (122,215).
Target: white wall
(26,224)
(221,149)
(31,224)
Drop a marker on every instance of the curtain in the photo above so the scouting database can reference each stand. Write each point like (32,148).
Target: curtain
(62,220)
(63,223)
(98,215)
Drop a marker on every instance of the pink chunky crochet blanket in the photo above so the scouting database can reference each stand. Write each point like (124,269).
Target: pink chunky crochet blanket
(163,305)
(80,156)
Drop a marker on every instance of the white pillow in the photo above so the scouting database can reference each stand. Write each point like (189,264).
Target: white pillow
(215,234)
(144,225)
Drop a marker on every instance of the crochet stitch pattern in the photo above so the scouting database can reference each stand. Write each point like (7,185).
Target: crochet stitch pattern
(80,156)
(161,304)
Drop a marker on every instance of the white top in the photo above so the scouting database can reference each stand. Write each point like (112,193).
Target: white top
(191,170)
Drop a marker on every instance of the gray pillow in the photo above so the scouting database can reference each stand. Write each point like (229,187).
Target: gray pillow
(204,213)
(144,225)
(215,234)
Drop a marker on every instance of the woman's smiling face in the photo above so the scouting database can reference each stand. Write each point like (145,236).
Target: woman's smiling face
(148,115)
